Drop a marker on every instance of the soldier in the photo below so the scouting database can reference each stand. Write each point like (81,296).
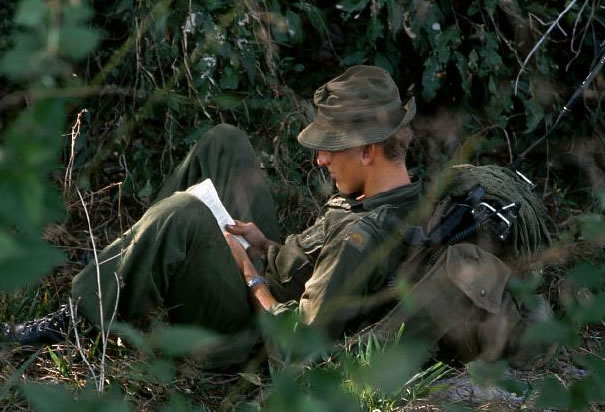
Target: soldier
(176,257)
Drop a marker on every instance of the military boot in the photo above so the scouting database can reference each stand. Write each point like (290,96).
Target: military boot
(50,329)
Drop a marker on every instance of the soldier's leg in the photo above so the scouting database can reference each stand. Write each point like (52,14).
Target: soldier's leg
(174,256)
(224,155)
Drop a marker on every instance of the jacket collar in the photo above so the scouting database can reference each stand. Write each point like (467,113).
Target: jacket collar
(407,195)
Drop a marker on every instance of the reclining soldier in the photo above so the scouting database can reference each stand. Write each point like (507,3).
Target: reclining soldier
(176,257)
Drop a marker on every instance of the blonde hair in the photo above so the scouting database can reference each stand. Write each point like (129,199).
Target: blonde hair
(395,147)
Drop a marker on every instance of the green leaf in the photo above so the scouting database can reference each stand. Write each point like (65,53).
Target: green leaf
(31,13)
(79,12)
(587,275)
(228,101)
(182,403)
(430,80)
(381,60)
(552,394)
(279,27)
(36,258)
(463,71)
(178,340)
(292,337)
(59,361)
(375,30)
(77,42)
(249,63)
(132,335)
(229,79)
(8,247)
(490,6)
(164,371)
(593,227)
(213,4)
(48,398)
(600,196)
(534,114)
(445,41)
(315,16)
(395,16)
(350,6)
(56,397)
(485,373)
(23,60)
(595,381)
(356,57)
(295,28)
(473,9)
(326,385)
(473,60)
(592,312)
(146,191)
(553,331)
(390,370)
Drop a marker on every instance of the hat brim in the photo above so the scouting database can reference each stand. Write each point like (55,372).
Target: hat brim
(328,138)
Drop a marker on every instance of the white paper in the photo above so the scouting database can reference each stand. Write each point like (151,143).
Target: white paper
(206,192)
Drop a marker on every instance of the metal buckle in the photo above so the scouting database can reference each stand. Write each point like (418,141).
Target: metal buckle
(484,212)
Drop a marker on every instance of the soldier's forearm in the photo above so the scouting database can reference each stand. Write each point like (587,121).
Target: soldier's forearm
(259,294)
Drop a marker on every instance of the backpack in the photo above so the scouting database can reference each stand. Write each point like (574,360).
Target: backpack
(452,284)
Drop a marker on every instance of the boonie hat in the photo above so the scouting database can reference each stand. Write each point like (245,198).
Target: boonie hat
(359,107)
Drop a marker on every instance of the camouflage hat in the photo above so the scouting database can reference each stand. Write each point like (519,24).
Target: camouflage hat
(359,107)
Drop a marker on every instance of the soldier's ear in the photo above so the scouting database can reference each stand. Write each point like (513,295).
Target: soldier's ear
(367,154)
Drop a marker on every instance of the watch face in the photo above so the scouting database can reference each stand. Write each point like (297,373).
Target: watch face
(256,280)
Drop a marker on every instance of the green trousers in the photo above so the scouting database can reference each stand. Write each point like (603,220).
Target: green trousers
(175,256)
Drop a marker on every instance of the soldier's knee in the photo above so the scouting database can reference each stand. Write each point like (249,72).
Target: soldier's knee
(183,207)
(226,134)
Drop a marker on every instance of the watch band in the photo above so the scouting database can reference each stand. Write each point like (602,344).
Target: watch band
(255,281)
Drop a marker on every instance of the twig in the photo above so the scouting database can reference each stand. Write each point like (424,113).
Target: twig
(584,32)
(547,171)
(75,132)
(544,36)
(575,26)
(105,334)
(120,210)
(506,41)
(510,149)
(99,294)
(72,316)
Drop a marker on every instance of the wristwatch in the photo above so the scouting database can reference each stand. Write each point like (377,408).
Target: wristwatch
(255,281)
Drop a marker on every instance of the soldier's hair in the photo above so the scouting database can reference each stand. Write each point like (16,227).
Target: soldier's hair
(396,146)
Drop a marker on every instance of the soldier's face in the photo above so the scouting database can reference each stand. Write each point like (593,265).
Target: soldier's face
(345,169)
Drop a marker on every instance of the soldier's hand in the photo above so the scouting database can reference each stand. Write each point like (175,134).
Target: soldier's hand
(251,233)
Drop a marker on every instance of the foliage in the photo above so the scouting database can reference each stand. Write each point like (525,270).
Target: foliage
(154,75)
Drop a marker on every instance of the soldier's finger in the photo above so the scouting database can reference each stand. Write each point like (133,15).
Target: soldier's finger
(235,230)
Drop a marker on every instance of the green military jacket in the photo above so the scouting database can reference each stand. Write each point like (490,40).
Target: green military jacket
(329,271)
